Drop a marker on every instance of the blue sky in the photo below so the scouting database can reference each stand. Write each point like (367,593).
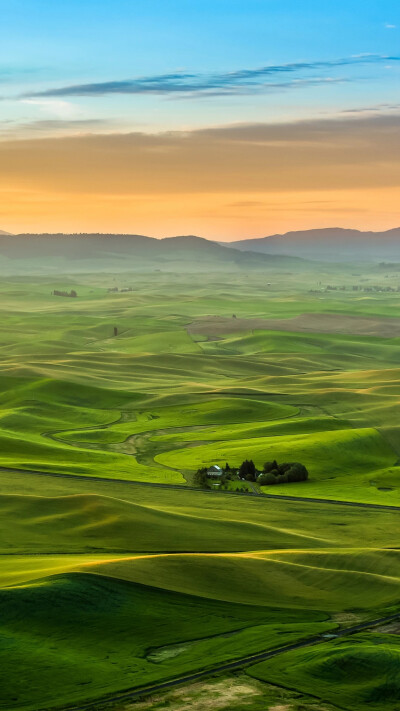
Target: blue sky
(226,119)
(48,46)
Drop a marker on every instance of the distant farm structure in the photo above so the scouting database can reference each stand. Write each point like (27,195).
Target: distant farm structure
(215,472)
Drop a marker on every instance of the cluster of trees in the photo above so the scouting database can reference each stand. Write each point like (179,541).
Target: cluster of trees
(274,473)
(390,265)
(356,287)
(248,471)
(200,478)
(65,293)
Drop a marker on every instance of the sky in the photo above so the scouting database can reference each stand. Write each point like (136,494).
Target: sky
(224,119)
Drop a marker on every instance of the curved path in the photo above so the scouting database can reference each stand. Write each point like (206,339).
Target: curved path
(136,694)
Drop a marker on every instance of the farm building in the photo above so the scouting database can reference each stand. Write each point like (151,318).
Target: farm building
(215,472)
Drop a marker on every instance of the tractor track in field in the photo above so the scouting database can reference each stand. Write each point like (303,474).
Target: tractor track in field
(212,492)
(138,693)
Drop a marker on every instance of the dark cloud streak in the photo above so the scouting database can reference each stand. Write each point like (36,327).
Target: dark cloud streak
(244,81)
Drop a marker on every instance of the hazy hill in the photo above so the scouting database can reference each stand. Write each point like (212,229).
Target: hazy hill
(334,243)
(93,252)
(4,233)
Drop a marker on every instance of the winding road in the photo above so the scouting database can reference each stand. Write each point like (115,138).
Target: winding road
(138,693)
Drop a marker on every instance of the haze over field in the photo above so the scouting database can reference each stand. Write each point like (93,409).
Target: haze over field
(49,253)
(330,244)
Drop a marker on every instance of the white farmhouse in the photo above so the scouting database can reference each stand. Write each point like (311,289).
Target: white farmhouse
(215,472)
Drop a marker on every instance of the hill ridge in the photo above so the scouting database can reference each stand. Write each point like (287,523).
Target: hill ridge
(96,251)
(338,243)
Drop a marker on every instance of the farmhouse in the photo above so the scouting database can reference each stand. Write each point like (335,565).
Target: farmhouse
(215,472)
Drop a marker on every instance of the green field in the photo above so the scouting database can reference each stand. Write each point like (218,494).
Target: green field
(75,399)
(64,655)
(114,599)
(358,673)
(109,581)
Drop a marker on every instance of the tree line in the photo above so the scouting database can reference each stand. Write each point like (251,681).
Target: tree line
(71,293)
(272,473)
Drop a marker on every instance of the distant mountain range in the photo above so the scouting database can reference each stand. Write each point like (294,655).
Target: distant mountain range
(332,244)
(98,252)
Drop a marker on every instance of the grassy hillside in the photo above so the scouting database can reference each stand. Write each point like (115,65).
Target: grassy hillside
(108,583)
(77,399)
(342,462)
(117,558)
(357,673)
(62,656)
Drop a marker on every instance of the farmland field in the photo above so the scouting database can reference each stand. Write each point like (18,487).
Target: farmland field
(116,572)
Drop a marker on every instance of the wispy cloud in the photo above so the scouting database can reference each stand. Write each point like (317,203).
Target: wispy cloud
(374,109)
(16,128)
(390,27)
(269,87)
(243,81)
(54,107)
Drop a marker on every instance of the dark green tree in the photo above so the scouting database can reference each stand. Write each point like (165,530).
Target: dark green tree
(200,478)
(269,466)
(247,470)
(266,478)
(297,472)
(283,468)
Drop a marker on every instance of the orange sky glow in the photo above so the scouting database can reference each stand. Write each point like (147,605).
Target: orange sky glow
(225,183)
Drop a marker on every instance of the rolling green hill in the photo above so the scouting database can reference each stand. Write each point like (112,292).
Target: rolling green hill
(118,557)
(107,581)
(357,673)
(62,656)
